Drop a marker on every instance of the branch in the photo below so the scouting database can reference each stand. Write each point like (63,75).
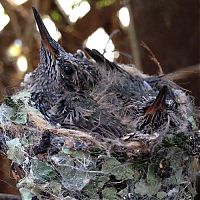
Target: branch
(110,37)
(153,58)
(184,73)
(133,40)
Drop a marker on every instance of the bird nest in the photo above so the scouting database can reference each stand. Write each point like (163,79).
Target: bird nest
(50,162)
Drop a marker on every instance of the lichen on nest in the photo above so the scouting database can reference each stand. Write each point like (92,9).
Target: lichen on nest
(55,163)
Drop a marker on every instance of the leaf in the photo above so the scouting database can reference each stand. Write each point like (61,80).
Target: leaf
(91,190)
(151,175)
(192,120)
(143,188)
(161,195)
(101,180)
(109,193)
(175,155)
(178,175)
(153,182)
(120,171)
(109,165)
(15,151)
(122,193)
(14,109)
(74,179)
(26,181)
(55,15)
(42,171)
(55,187)
(104,3)
(26,194)
(95,185)
(77,171)
(123,172)
(151,185)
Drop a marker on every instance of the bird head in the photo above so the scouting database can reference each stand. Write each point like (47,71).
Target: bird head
(66,69)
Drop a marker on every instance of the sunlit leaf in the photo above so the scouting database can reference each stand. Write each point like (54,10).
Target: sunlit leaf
(104,3)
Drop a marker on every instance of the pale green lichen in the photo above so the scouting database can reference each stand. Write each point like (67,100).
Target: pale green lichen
(13,110)
(26,194)
(42,171)
(15,151)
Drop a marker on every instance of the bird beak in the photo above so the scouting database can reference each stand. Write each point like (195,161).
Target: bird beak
(47,40)
(159,102)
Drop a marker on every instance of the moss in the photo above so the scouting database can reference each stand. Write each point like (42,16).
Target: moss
(180,139)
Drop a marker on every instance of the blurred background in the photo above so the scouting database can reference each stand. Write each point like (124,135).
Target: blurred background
(169,28)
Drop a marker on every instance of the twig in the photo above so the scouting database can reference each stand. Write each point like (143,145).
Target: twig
(153,58)
(110,37)
(127,55)
(133,40)
(9,197)
(13,17)
(184,73)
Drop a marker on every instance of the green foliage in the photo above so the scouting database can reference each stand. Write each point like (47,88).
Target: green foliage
(179,139)
(55,15)
(104,3)
(99,4)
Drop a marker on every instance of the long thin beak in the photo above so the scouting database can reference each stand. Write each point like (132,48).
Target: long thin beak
(47,40)
(159,102)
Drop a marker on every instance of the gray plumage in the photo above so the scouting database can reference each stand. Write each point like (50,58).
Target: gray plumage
(101,97)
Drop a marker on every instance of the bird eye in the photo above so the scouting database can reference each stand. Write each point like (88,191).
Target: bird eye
(68,70)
